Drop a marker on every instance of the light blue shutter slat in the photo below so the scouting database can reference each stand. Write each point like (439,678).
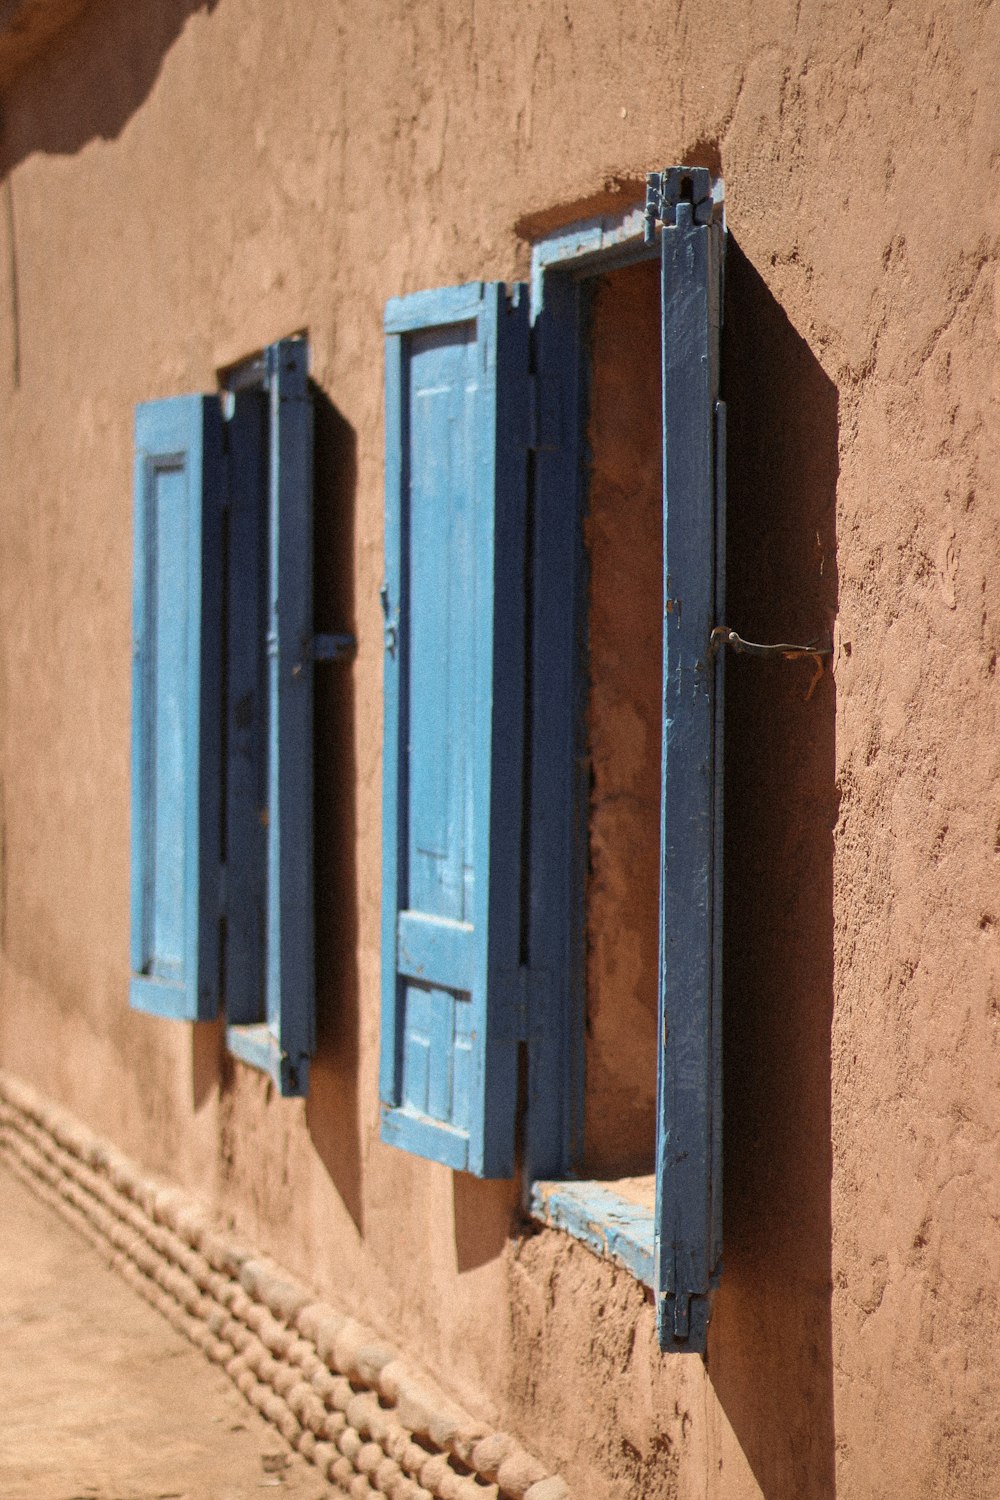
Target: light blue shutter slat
(456,432)
(687,1249)
(180,479)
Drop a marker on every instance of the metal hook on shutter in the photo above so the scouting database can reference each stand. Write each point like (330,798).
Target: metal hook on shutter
(723,636)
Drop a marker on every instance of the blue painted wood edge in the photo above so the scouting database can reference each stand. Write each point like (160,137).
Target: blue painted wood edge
(689,1086)
(290,974)
(139,711)
(718,919)
(246,836)
(258,1046)
(613,239)
(559,767)
(502,477)
(696,1341)
(601,1219)
(161,997)
(434,308)
(423,1137)
(396,605)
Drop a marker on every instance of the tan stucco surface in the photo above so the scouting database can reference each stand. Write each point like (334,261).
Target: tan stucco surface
(183,183)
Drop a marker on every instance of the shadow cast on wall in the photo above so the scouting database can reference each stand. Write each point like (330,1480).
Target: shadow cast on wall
(332,1103)
(332,1107)
(485,1216)
(89,94)
(208,1050)
(770,1355)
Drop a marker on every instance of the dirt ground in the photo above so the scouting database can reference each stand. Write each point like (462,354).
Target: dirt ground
(102,1399)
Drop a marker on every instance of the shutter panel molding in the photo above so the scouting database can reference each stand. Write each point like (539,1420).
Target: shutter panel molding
(688,1215)
(453,985)
(180,486)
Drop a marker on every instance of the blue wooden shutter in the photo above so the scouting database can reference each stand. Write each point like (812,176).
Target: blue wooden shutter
(271,998)
(688,1227)
(452,982)
(290,918)
(180,480)
(246,712)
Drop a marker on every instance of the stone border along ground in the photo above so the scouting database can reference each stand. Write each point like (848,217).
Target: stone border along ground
(338,1394)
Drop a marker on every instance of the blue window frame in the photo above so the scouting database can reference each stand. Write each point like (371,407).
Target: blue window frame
(669,1237)
(485,805)
(222,867)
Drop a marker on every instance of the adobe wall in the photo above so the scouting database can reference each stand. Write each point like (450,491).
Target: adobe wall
(186,182)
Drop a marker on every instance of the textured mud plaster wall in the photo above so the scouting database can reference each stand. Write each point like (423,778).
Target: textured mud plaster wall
(186,182)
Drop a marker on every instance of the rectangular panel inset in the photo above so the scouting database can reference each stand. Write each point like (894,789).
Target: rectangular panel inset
(437,1054)
(167,635)
(443,384)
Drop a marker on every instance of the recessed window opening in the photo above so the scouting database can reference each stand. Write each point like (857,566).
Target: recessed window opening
(621,488)
(560,967)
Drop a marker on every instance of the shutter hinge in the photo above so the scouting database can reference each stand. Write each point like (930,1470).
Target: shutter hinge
(675,185)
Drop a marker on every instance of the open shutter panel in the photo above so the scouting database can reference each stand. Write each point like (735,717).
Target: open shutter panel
(270,815)
(246,713)
(452,1004)
(290,918)
(180,480)
(687,1246)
